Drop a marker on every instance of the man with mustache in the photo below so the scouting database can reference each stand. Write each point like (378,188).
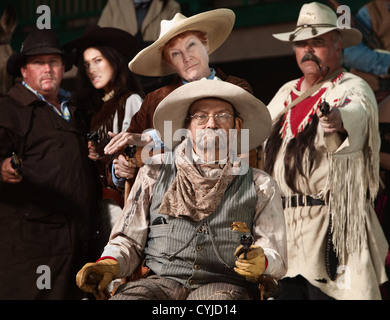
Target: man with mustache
(188,208)
(48,202)
(323,151)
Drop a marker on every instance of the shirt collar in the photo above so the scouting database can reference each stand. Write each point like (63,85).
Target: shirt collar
(210,77)
(63,95)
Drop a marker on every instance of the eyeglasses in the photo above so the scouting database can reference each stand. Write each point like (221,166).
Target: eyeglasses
(203,118)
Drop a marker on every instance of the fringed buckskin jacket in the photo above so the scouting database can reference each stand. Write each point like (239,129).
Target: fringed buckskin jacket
(345,175)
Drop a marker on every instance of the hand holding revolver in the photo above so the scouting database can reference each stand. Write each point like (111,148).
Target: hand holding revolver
(330,118)
(11,170)
(93,140)
(332,125)
(94,277)
(251,261)
(122,167)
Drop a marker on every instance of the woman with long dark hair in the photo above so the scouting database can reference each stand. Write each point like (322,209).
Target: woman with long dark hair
(107,90)
(109,94)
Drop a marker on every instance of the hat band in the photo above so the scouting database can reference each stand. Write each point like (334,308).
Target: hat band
(314,27)
(47,46)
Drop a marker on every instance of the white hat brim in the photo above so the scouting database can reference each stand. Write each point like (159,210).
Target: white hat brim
(217,24)
(349,37)
(255,115)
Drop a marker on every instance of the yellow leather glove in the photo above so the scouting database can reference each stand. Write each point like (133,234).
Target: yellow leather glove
(107,269)
(253,266)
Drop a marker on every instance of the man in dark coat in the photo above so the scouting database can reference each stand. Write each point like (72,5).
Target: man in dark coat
(47,207)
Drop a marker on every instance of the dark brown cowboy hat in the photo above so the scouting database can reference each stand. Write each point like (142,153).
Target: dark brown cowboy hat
(95,36)
(39,41)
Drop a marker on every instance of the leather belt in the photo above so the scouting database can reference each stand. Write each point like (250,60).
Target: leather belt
(300,201)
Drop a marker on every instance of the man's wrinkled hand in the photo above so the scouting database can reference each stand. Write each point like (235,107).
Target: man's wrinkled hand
(119,141)
(108,269)
(253,266)
(122,168)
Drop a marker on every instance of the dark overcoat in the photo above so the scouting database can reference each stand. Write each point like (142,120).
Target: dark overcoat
(47,220)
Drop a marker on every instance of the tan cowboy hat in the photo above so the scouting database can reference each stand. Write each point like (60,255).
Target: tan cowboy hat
(316,19)
(252,111)
(217,24)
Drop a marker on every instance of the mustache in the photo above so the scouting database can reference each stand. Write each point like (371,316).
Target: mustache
(211,132)
(47,77)
(309,56)
(209,137)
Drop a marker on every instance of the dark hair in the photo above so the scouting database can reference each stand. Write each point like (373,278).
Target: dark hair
(124,82)
(295,151)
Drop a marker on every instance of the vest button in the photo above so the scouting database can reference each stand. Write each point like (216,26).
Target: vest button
(191,282)
(197,267)
(198,248)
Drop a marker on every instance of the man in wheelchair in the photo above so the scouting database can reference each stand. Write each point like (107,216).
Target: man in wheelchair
(204,223)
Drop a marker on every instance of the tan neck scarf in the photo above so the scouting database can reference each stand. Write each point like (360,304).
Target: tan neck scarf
(192,194)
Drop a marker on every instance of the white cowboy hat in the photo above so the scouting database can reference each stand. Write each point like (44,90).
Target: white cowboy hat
(251,110)
(316,19)
(217,24)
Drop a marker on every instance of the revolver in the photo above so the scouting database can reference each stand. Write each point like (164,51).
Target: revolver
(93,281)
(324,108)
(16,164)
(93,136)
(246,241)
(130,151)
